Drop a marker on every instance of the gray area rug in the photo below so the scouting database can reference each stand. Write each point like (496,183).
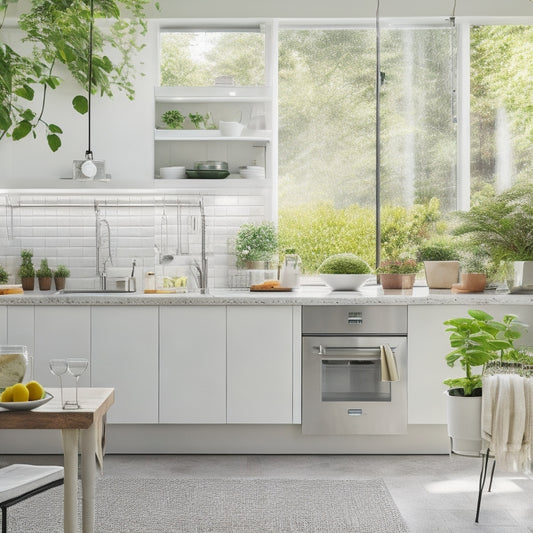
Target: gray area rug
(223,506)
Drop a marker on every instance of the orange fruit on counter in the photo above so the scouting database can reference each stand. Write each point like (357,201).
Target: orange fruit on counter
(7,395)
(35,389)
(20,393)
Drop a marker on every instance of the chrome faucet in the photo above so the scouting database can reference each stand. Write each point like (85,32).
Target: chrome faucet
(201,274)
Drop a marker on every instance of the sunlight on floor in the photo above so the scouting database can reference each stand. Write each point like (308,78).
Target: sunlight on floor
(470,485)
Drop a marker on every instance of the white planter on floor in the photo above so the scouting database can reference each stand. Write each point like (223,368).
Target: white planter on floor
(464,424)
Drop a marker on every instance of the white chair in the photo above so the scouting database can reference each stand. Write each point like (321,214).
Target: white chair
(18,482)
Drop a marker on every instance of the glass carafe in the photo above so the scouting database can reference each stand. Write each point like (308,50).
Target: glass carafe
(13,364)
(290,271)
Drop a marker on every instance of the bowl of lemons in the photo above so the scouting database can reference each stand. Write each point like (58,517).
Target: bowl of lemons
(24,397)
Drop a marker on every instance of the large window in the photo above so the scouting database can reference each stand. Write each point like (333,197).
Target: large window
(327,116)
(501,105)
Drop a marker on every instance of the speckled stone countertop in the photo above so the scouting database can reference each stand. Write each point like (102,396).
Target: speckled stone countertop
(372,294)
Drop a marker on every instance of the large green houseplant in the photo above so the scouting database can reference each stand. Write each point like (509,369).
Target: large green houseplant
(476,340)
(59,30)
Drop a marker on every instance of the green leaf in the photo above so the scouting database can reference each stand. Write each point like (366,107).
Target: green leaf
(479,315)
(25,92)
(54,129)
(54,142)
(21,130)
(5,120)
(28,115)
(80,104)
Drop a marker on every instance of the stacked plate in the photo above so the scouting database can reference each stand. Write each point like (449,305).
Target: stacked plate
(172,173)
(252,172)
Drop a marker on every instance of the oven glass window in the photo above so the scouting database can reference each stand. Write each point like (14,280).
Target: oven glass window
(344,381)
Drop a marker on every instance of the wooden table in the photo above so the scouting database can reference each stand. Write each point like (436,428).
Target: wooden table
(81,425)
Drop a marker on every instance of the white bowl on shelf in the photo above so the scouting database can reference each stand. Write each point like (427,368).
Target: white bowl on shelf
(345,282)
(252,172)
(172,173)
(230,129)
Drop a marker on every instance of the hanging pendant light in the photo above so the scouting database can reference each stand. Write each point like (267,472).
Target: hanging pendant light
(89,168)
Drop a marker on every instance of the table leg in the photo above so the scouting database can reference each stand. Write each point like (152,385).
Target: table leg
(70,504)
(88,477)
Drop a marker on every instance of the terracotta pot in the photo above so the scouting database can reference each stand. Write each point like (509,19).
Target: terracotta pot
(45,284)
(470,282)
(60,283)
(28,284)
(397,281)
(441,274)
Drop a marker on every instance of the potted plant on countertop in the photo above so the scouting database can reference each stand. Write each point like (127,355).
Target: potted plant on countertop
(473,274)
(256,245)
(475,340)
(27,270)
(344,272)
(441,262)
(44,275)
(398,273)
(61,273)
(4,276)
(503,225)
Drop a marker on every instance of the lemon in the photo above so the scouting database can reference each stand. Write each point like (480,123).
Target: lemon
(7,395)
(35,389)
(20,393)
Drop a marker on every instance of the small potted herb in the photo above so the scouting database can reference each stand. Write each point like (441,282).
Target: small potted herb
(44,275)
(173,119)
(473,274)
(61,273)
(441,263)
(4,276)
(256,244)
(200,121)
(27,270)
(398,273)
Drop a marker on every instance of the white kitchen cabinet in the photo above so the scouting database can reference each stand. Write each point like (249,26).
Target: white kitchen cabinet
(124,355)
(428,345)
(61,332)
(260,365)
(3,324)
(192,365)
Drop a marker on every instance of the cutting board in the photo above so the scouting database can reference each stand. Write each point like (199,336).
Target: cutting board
(11,289)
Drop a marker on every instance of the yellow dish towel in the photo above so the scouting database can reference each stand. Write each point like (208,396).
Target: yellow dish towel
(389,370)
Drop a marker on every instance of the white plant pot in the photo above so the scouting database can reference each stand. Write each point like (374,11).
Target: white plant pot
(523,276)
(441,274)
(464,424)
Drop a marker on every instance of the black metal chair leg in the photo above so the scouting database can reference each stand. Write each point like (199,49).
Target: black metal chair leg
(4,520)
(482,478)
(492,475)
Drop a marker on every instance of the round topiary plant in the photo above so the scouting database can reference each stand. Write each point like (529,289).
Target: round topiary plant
(344,264)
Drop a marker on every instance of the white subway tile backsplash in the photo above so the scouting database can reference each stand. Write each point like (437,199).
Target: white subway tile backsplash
(66,234)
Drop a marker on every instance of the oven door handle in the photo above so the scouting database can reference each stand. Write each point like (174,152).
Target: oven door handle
(360,353)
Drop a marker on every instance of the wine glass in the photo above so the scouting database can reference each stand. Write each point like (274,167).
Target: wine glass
(58,367)
(76,366)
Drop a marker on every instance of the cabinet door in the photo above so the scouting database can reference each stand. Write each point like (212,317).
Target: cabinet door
(428,345)
(3,324)
(124,355)
(260,364)
(193,365)
(61,332)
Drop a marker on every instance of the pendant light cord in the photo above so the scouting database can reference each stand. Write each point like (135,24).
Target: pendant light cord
(89,153)
(378,135)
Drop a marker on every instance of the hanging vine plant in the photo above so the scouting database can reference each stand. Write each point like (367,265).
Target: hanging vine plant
(59,30)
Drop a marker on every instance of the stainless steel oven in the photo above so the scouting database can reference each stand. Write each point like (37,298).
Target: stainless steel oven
(343,392)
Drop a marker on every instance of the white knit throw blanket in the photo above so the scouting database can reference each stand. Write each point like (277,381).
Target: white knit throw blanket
(507,420)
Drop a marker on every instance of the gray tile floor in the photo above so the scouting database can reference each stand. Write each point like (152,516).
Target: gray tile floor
(435,493)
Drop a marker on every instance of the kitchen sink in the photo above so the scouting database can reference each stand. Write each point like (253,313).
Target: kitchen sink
(94,291)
